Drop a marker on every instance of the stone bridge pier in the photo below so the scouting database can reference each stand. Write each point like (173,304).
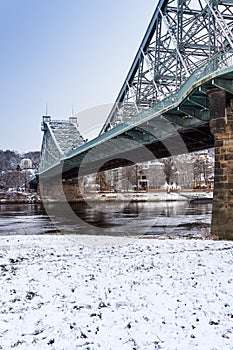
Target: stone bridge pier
(69,190)
(221,125)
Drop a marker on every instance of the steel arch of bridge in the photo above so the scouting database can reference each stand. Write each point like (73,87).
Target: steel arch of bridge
(181,36)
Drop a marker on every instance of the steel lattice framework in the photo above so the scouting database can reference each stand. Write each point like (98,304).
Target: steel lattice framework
(60,137)
(181,36)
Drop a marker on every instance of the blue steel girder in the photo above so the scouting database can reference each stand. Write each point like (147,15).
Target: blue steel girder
(225,84)
(60,137)
(50,150)
(181,36)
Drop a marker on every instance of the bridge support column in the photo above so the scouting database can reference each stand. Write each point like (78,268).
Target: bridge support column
(69,190)
(221,125)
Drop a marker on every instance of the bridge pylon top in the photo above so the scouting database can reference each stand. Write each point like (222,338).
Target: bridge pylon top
(60,137)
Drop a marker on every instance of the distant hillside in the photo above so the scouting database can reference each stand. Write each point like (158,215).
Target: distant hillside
(11,175)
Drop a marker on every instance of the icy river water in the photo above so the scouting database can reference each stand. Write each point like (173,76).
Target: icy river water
(149,218)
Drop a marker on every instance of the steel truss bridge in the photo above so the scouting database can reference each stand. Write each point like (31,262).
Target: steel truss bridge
(163,106)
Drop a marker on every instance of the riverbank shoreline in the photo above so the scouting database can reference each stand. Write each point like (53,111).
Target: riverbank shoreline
(65,292)
(102,196)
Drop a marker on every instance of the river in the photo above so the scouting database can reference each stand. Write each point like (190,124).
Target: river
(136,219)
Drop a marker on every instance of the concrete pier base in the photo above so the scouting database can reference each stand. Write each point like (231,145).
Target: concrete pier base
(53,190)
(221,126)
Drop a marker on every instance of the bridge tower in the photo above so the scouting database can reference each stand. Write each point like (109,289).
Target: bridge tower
(60,137)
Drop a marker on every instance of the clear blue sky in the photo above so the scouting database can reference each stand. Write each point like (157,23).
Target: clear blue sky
(64,53)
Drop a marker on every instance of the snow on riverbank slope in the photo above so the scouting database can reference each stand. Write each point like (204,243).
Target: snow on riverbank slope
(58,292)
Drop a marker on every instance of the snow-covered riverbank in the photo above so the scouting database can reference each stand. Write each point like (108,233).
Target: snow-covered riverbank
(61,292)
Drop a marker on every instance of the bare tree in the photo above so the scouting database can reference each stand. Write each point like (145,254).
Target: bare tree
(101,180)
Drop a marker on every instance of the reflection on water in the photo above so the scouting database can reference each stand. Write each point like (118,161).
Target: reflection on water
(24,219)
(150,218)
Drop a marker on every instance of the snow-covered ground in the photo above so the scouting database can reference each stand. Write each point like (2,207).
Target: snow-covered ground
(65,292)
